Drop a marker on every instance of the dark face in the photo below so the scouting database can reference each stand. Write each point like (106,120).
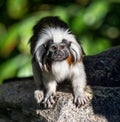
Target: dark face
(58,52)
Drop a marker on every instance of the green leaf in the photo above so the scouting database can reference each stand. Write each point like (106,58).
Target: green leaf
(10,68)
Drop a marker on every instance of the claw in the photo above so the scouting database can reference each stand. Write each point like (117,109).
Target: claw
(81,100)
(52,100)
(49,100)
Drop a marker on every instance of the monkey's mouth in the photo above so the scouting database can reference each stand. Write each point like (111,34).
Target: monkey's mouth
(58,56)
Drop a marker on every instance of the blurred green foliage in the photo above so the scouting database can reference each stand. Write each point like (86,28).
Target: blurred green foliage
(96,23)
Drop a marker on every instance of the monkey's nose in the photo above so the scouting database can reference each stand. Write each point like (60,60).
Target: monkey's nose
(58,53)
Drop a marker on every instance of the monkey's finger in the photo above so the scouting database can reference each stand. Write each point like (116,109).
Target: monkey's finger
(75,100)
(47,96)
(83,101)
(86,99)
(44,102)
(49,105)
(52,100)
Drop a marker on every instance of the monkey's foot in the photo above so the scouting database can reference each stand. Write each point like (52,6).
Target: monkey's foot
(49,100)
(38,96)
(80,99)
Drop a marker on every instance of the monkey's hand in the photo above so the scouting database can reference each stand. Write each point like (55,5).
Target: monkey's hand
(80,98)
(49,99)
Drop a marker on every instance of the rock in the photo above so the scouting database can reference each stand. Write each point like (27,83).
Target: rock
(17,103)
(103,69)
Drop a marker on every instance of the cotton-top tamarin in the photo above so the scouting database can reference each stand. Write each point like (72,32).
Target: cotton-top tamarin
(57,56)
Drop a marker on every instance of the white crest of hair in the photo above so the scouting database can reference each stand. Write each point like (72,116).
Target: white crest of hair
(57,34)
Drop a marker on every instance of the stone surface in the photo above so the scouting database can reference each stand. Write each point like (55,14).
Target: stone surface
(18,104)
(104,69)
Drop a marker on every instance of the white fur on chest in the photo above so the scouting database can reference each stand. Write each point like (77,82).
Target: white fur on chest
(60,70)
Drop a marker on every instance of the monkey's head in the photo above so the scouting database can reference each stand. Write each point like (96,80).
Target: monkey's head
(52,41)
(57,51)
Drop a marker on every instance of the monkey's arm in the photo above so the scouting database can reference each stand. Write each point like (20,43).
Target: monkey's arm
(79,84)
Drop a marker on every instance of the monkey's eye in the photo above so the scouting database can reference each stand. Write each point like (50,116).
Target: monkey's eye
(53,47)
(62,46)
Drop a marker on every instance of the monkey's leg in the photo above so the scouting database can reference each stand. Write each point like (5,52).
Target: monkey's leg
(79,84)
(50,87)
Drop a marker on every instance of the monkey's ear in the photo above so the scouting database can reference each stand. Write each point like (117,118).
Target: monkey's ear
(47,44)
(76,51)
(68,43)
